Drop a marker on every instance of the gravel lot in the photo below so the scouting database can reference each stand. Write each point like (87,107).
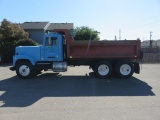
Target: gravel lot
(78,95)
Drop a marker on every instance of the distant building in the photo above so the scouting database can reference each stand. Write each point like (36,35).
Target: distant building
(37,30)
(53,26)
(146,43)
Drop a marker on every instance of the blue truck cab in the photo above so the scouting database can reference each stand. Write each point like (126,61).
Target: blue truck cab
(29,60)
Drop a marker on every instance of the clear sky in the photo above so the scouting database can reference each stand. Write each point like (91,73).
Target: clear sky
(135,18)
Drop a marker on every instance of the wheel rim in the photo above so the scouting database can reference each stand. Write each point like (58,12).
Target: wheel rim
(103,70)
(125,69)
(24,70)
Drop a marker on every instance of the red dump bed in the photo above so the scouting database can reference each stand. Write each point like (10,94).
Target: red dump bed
(100,49)
(104,49)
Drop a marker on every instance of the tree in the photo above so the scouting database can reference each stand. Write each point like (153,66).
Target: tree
(86,33)
(11,31)
(12,35)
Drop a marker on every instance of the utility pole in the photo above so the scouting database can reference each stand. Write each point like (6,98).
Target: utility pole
(151,39)
(115,38)
(119,34)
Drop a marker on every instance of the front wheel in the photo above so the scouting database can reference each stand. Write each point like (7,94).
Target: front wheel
(103,69)
(25,70)
(124,69)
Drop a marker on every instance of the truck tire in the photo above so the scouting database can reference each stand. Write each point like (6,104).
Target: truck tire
(25,70)
(124,69)
(103,69)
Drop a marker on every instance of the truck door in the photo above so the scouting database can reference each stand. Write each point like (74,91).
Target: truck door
(53,48)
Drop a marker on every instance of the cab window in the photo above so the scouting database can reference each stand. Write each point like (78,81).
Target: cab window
(51,41)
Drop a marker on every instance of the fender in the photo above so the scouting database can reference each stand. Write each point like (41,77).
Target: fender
(24,57)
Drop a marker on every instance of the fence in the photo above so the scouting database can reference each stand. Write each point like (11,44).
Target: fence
(151,58)
(151,55)
(151,50)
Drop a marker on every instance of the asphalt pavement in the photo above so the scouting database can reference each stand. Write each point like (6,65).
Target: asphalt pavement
(78,95)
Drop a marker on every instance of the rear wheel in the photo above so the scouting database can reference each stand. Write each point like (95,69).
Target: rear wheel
(103,69)
(124,69)
(25,70)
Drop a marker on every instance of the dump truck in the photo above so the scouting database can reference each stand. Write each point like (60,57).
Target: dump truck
(59,50)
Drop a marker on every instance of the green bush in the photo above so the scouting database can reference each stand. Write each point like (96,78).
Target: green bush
(7,49)
(86,33)
(12,35)
(26,42)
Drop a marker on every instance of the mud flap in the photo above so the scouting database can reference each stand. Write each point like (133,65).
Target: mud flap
(136,68)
